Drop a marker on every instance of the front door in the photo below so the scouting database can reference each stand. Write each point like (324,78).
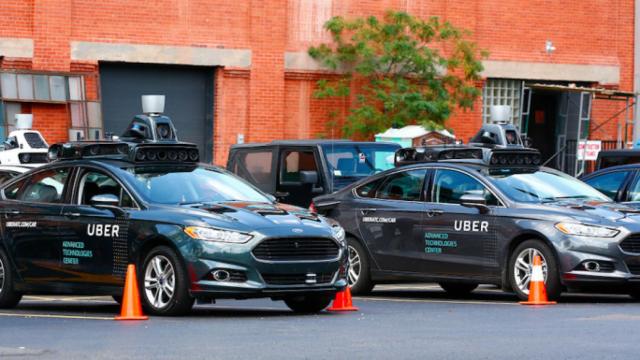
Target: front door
(95,240)
(292,161)
(390,222)
(459,240)
(31,225)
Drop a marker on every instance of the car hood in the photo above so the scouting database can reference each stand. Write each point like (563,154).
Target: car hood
(251,216)
(597,212)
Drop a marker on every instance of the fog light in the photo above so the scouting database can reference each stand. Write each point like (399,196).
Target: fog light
(592,266)
(221,275)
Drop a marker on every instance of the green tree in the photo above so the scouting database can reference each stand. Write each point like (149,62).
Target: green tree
(406,70)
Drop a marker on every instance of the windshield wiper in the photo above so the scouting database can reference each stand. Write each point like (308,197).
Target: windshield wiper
(560,198)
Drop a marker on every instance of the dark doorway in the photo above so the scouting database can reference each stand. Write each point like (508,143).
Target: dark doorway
(188,91)
(541,127)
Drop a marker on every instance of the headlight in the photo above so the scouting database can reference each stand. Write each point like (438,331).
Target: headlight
(210,234)
(338,233)
(586,230)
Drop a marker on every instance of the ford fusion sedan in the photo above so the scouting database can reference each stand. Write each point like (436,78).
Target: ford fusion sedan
(193,231)
(467,216)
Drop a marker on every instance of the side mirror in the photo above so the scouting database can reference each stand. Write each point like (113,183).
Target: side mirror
(309,177)
(105,200)
(475,201)
(108,202)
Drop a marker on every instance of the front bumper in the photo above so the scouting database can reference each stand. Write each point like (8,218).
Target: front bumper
(254,278)
(618,271)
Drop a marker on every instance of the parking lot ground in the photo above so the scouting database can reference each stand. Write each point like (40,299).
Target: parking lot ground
(395,321)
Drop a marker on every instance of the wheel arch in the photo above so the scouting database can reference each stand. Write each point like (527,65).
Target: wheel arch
(513,244)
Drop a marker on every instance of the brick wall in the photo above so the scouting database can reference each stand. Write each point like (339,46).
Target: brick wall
(266,101)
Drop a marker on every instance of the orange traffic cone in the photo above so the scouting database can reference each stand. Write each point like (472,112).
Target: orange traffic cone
(537,290)
(342,302)
(131,307)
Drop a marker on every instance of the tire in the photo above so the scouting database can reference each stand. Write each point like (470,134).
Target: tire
(458,289)
(359,275)
(177,302)
(9,298)
(308,304)
(552,282)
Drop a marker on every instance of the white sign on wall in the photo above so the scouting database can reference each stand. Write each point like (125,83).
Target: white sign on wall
(588,150)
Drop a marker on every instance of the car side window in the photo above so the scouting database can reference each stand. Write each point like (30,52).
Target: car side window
(405,185)
(12,192)
(295,161)
(609,183)
(95,183)
(45,187)
(634,191)
(255,166)
(368,190)
(450,186)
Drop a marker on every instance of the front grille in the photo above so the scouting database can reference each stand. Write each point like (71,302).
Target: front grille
(296,279)
(634,268)
(631,243)
(237,276)
(296,249)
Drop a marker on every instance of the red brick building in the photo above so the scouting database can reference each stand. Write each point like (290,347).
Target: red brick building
(236,70)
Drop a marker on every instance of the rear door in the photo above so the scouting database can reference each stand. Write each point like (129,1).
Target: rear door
(31,215)
(390,220)
(292,160)
(460,241)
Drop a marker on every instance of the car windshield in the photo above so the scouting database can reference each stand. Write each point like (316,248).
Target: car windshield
(351,162)
(191,185)
(543,186)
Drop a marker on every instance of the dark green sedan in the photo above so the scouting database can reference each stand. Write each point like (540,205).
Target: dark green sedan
(194,231)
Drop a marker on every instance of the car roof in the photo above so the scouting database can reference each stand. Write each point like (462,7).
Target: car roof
(311,142)
(617,152)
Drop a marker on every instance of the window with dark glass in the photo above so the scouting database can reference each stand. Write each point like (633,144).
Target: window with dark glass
(609,183)
(45,186)
(293,162)
(95,183)
(406,185)
(451,186)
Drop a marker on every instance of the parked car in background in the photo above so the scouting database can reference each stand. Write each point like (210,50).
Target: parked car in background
(621,183)
(297,170)
(609,158)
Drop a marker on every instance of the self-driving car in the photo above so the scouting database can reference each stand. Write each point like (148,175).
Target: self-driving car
(469,215)
(193,231)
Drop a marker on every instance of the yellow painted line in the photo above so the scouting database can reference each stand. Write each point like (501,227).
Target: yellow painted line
(473,302)
(51,316)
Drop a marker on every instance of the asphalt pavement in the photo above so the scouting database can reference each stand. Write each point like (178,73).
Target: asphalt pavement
(395,321)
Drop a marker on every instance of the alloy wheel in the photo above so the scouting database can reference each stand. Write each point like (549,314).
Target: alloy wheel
(159,281)
(523,268)
(1,276)
(354,266)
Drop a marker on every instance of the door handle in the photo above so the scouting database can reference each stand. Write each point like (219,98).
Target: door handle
(435,212)
(71,214)
(367,211)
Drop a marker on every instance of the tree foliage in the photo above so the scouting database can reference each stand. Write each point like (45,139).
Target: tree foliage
(405,69)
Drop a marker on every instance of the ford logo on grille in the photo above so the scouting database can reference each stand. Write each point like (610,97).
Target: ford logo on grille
(297,231)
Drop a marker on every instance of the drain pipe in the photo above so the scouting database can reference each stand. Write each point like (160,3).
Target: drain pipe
(636,73)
